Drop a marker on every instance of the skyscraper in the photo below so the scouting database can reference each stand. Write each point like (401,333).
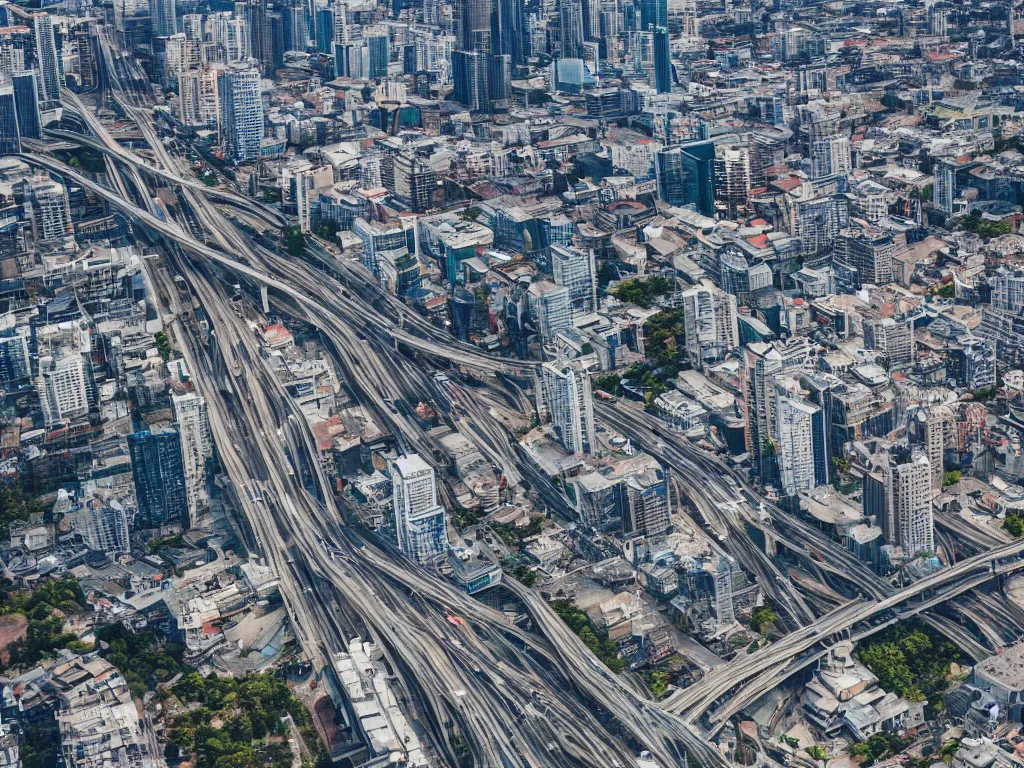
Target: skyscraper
(909,501)
(379,55)
(10,135)
(564,394)
(164,17)
(196,447)
(260,35)
(512,30)
(644,501)
(27,103)
(474,33)
(160,491)
(103,528)
(63,393)
(574,270)
(47,61)
(830,147)
(686,175)
(324,31)
(662,61)
(653,13)
(420,525)
(709,317)
(801,439)
(241,113)
(571,19)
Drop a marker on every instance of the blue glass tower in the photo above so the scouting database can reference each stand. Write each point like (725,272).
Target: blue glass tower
(159,475)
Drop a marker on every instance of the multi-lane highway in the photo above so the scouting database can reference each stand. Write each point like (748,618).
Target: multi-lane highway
(515,698)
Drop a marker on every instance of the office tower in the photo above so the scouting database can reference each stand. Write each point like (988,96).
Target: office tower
(685,174)
(415,182)
(800,438)
(512,30)
(51,209)
(571,34)
(653,13)
(164,17)
(1007,291)
(241,113)
(231,36)
(830,149)
(324,31)
(193,425)
(592,21)
(709,318)
(644,501)
(63,391)
(380,55)
(945,184)
(475,27)
(296,29)
(574,270)
(14,361)
(468,80)
(277,41)
(662,61)
(870,253)
(432,13)
(47,60)
(103,528)
(550,308)
(160,489)
(908,495)
(420,525)
(260,40)
(501,81)
(10,135)
(564,395)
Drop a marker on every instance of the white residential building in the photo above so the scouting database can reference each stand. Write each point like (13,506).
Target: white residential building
(574,270)
(709,317)
(908,492)
(63,391)
(193,423)
(420,522)
(564,394)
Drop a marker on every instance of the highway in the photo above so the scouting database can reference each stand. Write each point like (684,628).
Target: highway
(773,664)
(516,698)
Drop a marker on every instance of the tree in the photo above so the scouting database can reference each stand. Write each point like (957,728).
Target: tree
(762,618)
(950,478)
(294,241)
(1014,525)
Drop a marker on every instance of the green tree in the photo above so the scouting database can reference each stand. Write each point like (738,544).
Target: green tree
(1014,525)
(951,478)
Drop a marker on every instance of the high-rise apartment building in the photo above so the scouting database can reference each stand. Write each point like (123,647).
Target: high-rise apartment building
(709,319)
(63,391)
(800,438)
(160,488)
(645,506)
(420,524)
(893,338)
(551,309)
(241,113)
(415,182)
(50,209)
(564,395)
(829,147)
(103,528)
(260,38)
(193,424)
(15,363)
(908,494)
(869,252)
(197,97)
(47,60)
